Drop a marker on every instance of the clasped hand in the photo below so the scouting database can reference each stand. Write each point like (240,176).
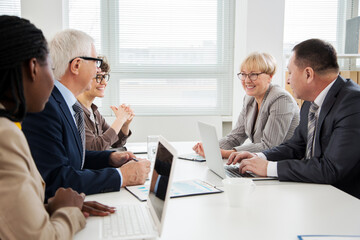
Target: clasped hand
(123,112)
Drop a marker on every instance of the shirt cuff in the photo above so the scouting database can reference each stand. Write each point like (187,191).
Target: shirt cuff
(121,181)
(261,155)
(272,169)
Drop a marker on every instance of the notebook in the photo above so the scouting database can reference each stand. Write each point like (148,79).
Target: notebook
(141,221)
(136,148)
(192,157)
(182,188)
(213,157)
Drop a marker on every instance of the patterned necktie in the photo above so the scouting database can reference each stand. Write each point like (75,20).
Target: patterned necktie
(79,117)
(311,129)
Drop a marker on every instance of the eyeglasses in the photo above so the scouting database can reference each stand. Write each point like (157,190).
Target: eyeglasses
(97,60)
(252,76)
(99,77)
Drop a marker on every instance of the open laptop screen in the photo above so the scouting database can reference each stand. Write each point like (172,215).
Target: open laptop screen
(160,179)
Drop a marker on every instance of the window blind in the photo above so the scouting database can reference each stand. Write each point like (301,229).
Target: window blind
(10,7)
(324,19)
(167,57)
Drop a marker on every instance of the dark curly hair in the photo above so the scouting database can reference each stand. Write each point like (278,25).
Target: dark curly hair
(19,42)
(105,66)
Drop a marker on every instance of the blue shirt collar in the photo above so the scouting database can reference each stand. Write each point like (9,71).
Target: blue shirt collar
(69,97)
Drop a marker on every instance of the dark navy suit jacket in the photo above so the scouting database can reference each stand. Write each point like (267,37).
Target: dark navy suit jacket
(57,150)
(336,158)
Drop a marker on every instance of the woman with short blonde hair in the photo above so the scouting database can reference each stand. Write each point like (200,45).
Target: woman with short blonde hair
(269,115)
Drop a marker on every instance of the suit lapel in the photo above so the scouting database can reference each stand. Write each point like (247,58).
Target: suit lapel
(250,118)
(258,123)
(65,109)
(326,106)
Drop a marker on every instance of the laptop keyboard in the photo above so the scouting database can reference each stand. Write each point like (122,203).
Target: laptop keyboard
(127,221)
(232,171)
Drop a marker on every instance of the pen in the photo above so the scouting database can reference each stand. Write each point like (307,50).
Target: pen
(134,159)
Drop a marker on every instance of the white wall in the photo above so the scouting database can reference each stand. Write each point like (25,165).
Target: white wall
(259,27)
(179,128)
(46,15)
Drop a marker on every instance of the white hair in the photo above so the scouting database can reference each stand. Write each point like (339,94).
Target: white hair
(67,45)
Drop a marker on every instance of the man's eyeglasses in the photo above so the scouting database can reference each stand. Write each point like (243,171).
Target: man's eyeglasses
(99,77)
(252,76)
(97,60)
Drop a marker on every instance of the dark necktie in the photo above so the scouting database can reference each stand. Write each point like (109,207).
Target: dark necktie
(311,129)
(79,118)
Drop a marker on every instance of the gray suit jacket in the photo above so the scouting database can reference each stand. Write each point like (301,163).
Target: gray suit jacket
(275,123)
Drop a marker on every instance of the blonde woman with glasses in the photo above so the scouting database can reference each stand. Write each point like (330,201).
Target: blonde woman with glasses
(99,134)
(269,115)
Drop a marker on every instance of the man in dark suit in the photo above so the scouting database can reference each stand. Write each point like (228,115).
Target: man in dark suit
(56,135)
(325,146)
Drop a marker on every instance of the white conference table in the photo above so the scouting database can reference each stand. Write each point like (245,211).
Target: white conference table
(276,210)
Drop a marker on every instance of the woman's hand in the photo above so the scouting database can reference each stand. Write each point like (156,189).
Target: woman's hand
(199,149)
(65,198)
(123,113)
(93,208)
(126,127)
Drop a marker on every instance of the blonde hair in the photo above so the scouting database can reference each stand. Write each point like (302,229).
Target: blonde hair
(263,62)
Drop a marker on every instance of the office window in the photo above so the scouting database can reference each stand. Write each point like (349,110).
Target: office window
(10,7)
(324,19)
(168,57)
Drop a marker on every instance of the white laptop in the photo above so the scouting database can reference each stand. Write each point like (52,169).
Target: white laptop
(141,221)
(213,157)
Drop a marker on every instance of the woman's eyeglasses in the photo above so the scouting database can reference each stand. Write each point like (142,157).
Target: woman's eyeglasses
(252,76)
(99,77)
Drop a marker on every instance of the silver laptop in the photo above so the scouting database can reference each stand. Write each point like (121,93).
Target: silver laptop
(213,157)
(142,221)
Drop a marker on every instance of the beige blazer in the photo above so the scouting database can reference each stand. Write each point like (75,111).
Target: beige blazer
(22,212)
(276,121)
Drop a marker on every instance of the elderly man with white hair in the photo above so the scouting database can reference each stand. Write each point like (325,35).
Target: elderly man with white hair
(56,136)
